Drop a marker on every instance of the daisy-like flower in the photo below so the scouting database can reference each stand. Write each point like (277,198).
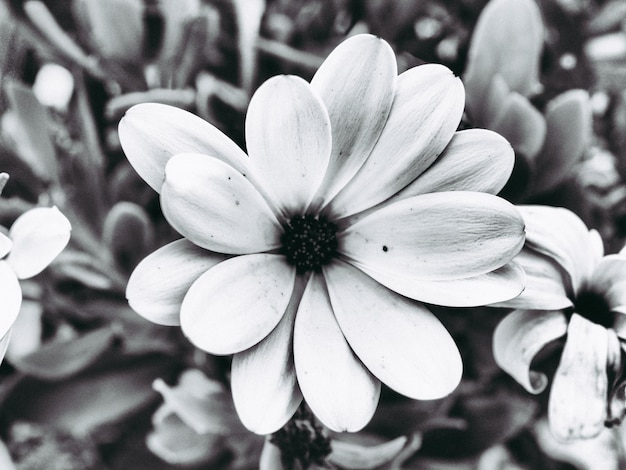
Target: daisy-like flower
(35,239)
(575,294)
(311,259)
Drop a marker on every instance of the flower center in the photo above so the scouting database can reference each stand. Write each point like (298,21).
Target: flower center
(595,308)
(309,242)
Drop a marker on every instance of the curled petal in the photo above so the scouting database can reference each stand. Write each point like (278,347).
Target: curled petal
(475,160)
(335,384)
(581,378)
(236,304)
(11,299)
(151,133)
(158,284)
(425,113)
(357,84)
(38,236)
(519,337)
(400,341)
(263,378)
(216,207)
(289,144)
(436,236)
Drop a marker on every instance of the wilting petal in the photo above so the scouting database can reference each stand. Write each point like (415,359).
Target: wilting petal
(519,337)
(11,298)
(436,236)
(560,234)
(357,84)
(577,405)
(38,236)
(263,378)
(425,113)
(338,388)
(399,341)
(545,285)
(502,284)
(475,160)
(568,118)
(609,280)
(158,284)
(289,140)
(5,245)
(236,304)
(151,133)
(216,207)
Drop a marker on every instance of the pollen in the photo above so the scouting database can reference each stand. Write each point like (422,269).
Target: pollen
(309,242)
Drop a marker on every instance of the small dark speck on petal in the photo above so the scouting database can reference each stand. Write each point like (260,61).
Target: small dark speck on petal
(385,249)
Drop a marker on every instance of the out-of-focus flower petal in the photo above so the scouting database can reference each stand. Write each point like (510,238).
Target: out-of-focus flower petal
(425,114)
(5,245)
(216,207)
(400,341)
(338,388)
(436,236)
(577,404)
(357,83)
(289,146)
(263,378)
(236,304)
(11,299)
(609,280)
(475,160)
(151,133)
(519,337)
(158,284)
(544,289)
(38,235)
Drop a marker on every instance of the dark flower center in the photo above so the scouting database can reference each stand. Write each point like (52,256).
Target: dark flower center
(595,308)
(309,242)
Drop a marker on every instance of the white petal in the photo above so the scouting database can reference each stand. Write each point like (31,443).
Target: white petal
(338,388)
(158,284)
(38,235)
(289,140)
(237,303)
(609,280)
(475,160)
(519,337)
(151,133)
(357,84)
(426,112)
(216,207)
(5,245)
(11,298)
(263,378)
(436,236)
(399,341)
(4,344)
(577,405)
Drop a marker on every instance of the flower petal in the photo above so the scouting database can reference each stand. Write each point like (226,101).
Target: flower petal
(263,378)
(237,303)
(425,113)
(502,284)
(5,245)
(475,160)
(158,284)
(436,236)
(519,337)
(151,133)
(11,298)
(577,404)
(4,343)
(357,84)
(338,388)
(560,234)
(545,285)
(216,207)
(400,341)
(609,280)
(38,236)
(289,140)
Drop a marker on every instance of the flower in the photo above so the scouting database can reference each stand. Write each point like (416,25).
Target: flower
(576,294)
(311,260)
(35,239)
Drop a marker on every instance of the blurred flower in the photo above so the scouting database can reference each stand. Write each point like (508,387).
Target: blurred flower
(34,240)
(310,261)
(576,294)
